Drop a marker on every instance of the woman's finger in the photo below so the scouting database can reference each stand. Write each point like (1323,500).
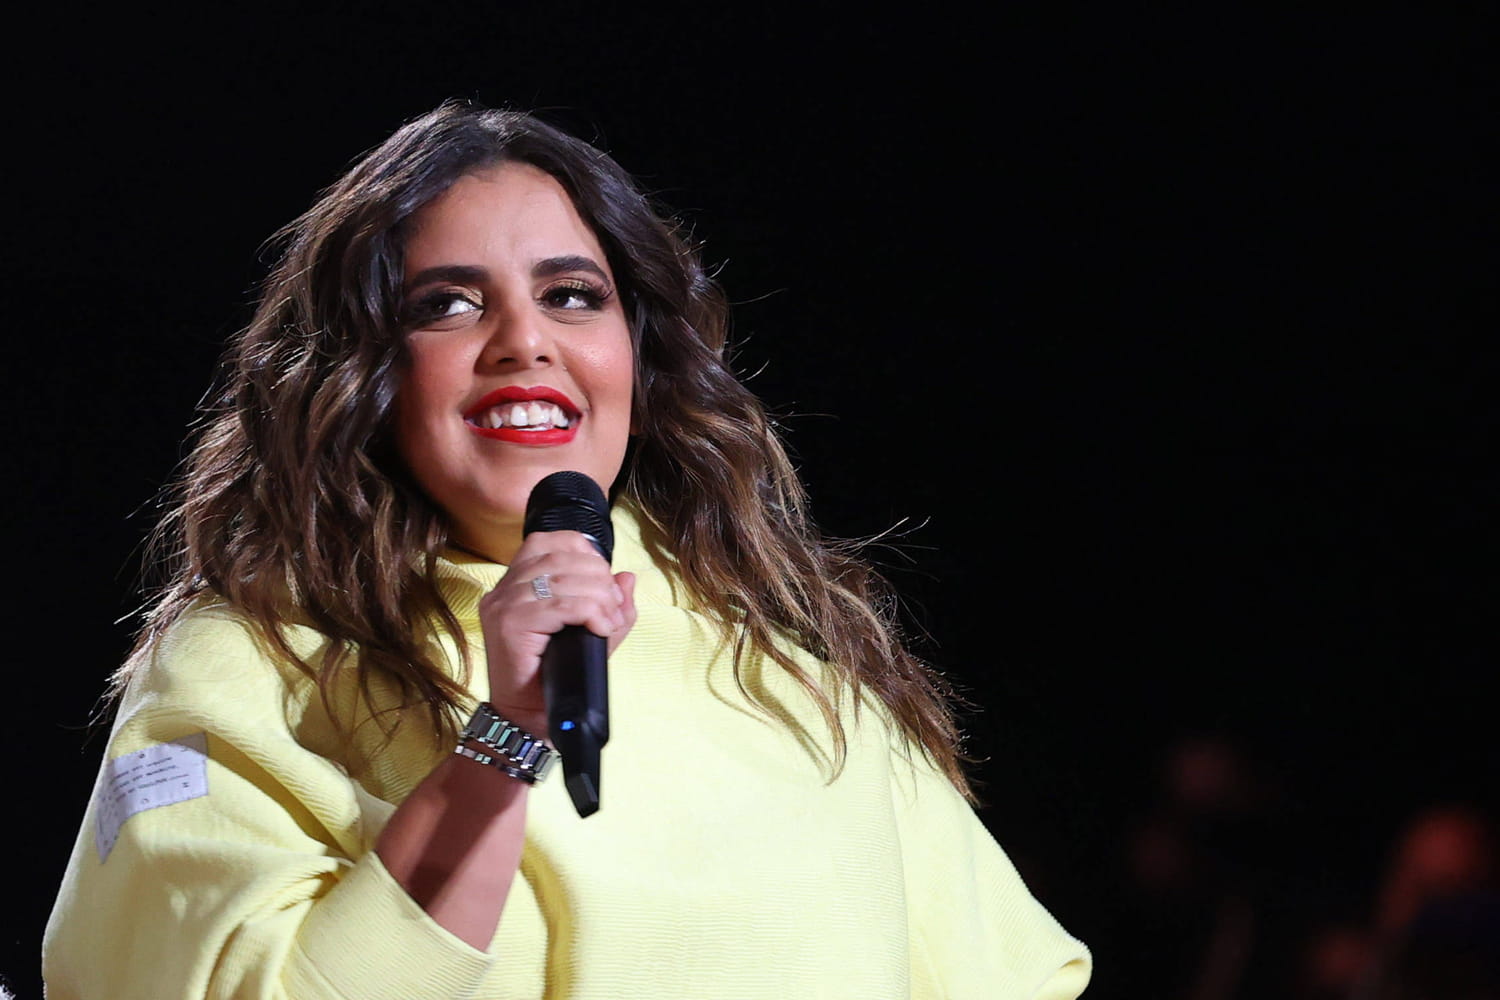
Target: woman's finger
(626,584)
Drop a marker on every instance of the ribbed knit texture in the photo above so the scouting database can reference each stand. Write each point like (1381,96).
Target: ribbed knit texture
(722,864)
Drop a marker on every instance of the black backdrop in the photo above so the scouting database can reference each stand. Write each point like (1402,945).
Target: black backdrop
(1167,335)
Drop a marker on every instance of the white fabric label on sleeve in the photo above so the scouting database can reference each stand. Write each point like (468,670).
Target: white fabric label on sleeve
(159,775)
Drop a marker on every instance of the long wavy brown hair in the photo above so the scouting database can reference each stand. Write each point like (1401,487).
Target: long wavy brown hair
(293,505)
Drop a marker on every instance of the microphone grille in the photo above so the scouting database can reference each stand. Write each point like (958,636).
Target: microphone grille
(571,501)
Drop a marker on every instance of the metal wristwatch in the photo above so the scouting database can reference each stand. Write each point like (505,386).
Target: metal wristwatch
(516,752)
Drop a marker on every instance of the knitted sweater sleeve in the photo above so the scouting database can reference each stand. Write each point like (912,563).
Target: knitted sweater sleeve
(264,885)
(975,929)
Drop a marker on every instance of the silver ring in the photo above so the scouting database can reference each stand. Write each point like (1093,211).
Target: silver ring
(540,587)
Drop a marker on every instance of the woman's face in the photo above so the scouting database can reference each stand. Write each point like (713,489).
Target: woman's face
(519,356)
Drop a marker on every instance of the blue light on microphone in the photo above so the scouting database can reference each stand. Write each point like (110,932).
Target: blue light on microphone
(566,725)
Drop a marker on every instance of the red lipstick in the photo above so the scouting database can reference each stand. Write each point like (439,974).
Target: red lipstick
(519,435)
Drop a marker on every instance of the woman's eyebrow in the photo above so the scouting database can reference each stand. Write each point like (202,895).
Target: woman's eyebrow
(551,266)
(458,274)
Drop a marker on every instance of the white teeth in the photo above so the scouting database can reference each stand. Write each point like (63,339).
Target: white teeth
(538,414)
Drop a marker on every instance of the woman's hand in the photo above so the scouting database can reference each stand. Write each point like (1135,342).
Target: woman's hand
(518,622)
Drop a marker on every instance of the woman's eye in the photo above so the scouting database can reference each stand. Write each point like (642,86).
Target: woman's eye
(441,305)
(574,296)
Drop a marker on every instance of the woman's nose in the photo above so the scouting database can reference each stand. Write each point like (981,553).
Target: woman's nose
(519,339)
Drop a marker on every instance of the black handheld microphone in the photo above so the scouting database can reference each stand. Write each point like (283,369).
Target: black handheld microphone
(573,673)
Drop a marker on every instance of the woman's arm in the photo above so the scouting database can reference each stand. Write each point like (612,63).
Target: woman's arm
(455,843)
(975,928)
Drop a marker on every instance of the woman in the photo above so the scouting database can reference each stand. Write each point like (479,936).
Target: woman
(292,804)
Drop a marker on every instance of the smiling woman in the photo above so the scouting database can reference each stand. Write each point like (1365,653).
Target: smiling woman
(519,357)
(291,799)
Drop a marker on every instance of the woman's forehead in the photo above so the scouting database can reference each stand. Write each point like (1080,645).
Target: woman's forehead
(511,211)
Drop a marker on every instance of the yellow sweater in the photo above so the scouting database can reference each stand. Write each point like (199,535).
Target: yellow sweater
(722,863)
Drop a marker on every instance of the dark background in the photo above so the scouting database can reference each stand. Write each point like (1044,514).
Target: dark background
(1167,336)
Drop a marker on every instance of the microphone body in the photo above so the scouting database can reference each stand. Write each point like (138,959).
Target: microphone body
(574,679)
